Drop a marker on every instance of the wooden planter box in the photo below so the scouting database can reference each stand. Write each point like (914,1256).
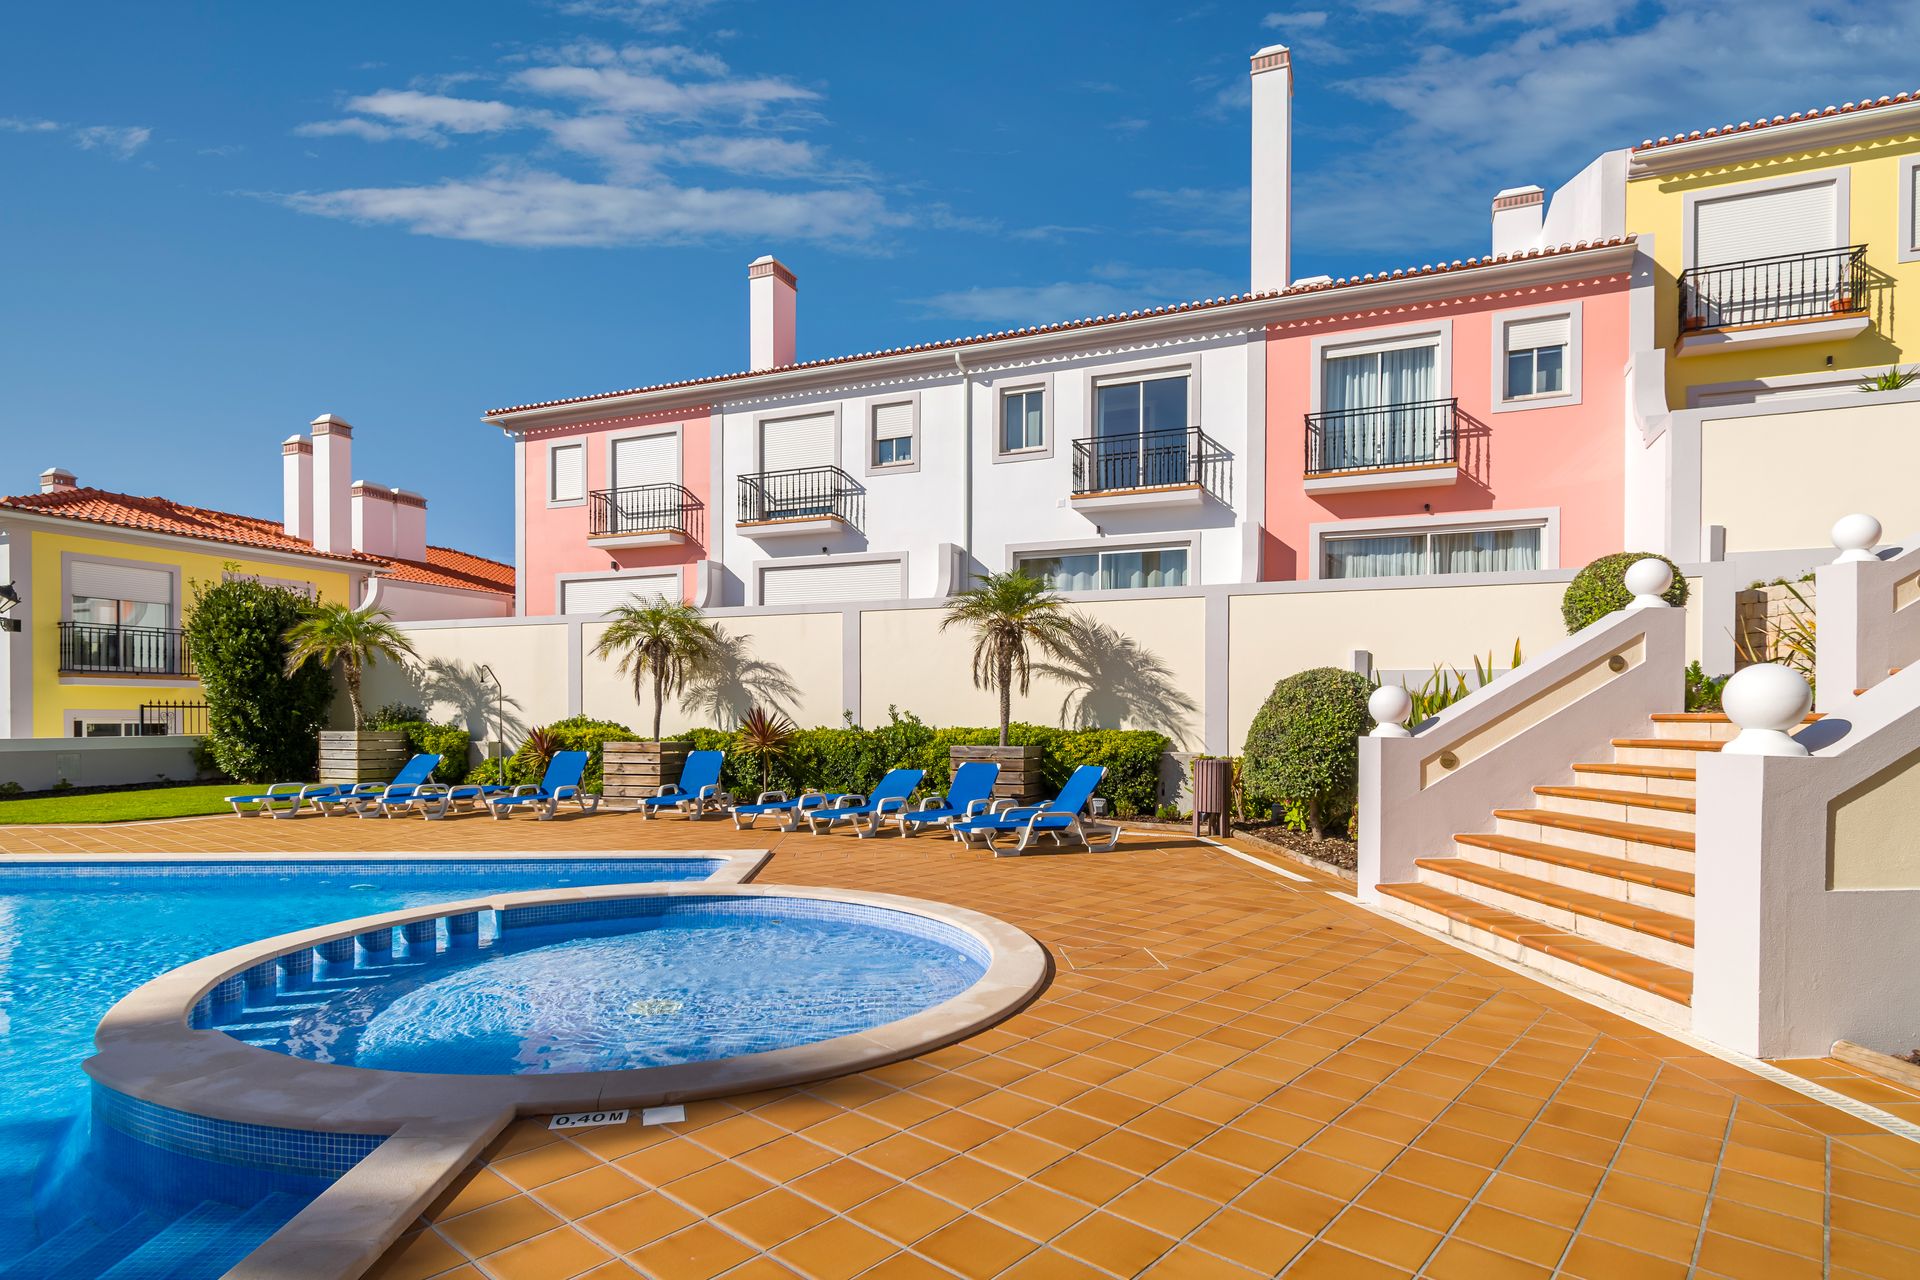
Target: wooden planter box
(1019,778)
(369,756)
(631,770)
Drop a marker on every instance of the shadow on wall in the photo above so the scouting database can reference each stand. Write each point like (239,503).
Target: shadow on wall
(478,705)
(1114,682)
(733,681)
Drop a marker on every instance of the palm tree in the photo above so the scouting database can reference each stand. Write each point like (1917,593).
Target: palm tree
(1009,614)
(765,736)
(354,638)
(661,642)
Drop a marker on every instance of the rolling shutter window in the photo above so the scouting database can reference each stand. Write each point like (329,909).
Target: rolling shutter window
(892,421)
(569,463)
(121,582)
(597,595)
(831,583)
(643,460)
(789,443)
(1913,208)
(1540,331)
(1765,224)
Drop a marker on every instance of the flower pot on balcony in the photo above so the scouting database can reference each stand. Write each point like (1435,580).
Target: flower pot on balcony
(367,755)
(1019,779)
(1694,321)
(630,770)
(1842,305)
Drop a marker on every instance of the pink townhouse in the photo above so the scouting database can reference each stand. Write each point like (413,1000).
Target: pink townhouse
(609,508)
(1454,418)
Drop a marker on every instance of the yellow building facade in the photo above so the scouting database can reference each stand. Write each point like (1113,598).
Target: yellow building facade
(1782,249)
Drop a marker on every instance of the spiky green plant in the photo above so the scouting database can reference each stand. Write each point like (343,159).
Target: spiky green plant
(1011,615)
(1792,641)
(659,643)
(765,736)
(1893,379)
(354,638)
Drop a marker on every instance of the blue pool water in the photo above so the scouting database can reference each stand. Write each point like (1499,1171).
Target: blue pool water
(690,981)
(75,937)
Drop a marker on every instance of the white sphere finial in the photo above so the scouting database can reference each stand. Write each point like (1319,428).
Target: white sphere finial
(1767,701)
(1855,535)
(1648,580)
(1390,705)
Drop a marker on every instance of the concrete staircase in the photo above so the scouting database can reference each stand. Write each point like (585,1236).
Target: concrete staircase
(1593,884)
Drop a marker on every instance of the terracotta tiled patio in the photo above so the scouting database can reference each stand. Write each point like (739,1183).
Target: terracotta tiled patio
(1231,1074)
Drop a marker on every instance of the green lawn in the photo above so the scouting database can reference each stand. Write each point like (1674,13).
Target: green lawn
(119,806)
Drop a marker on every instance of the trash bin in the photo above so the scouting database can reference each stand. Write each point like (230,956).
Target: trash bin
(1212,792)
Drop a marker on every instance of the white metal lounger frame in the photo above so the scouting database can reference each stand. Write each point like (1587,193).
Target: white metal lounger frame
(788,815)
(436,800)
(836,812)
(693,804)
(544,806)
(1077,826)
(907,821)
(294,794)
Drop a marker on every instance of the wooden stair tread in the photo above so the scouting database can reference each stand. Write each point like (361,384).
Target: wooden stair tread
(1603,795)
(1627,915)
(1671,744)
(1710,717)
(1668,772)
(1599,864)
(1663,980)
(1607,827)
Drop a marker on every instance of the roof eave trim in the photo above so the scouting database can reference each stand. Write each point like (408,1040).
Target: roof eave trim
(1749,144)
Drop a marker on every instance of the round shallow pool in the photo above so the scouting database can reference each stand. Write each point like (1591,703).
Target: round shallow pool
(687,979)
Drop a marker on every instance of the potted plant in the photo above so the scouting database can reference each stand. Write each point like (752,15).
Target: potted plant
(354,639)
(659,644)
(1011,615)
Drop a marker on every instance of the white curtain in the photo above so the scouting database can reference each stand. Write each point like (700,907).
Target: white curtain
(1379,380)
(1406,378)
(1382,557)
(1486,551)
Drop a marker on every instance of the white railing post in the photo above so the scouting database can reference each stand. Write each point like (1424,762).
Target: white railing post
(1768,702)
(1649,580)
(1855,614)
(1390,705)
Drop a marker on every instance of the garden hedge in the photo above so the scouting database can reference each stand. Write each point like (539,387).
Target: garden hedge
(576,733)
(1600,589)
(263,725)
(453,744)
(1303,746)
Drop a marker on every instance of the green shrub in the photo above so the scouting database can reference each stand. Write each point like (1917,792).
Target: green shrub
(1303,746)
(1132,760)
(263,725)
(1600,588)
(450,742)
(1703,690)
(576,733)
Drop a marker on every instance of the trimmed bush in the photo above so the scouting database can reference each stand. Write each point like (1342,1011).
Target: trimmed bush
(450,742)
(1303,746)
(1600,588)
(576,733)
(263,725)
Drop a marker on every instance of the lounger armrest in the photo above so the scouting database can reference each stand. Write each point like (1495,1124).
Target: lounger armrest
(977,807)
(1003,804)
(709,791)
(527,789)
(431,791)
(849,800)
(669,789)
(301,789)
(932,802)
(567,792)
(1023,811)
(891,804)
(769,796)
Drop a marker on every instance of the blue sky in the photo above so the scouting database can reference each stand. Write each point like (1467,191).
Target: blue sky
(219,220)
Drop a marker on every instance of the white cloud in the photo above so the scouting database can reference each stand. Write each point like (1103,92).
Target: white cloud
(119,141)
(647,15)
(545,209)
(1113,287)
(643,93)
(1303,20)
(410,108)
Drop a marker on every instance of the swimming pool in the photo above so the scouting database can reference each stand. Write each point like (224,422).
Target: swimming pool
(679,980)
(75,937)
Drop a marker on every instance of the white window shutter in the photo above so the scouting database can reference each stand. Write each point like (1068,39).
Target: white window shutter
(1765,224)
(598,595)
(790,443)
(120,582)
(1538,331)
(643,460)
(893,421)
(831,583)
(569,472)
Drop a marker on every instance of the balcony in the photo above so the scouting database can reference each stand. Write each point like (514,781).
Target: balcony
(1178,468)
(653,515)
(803,501)
(104,649)
(1773,302)
(1392,446)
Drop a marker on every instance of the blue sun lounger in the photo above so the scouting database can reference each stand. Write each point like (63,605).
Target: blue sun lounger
(561,782)
(788,810)
(396,796)
(325,796)
(969,795)
(698,788)
(293,795)
(889,795)
(1057,819)
(437,799)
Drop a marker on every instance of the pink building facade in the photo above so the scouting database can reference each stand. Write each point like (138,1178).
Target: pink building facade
(611,508)
(1482,432)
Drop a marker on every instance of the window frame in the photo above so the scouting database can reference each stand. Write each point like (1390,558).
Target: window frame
(1840,179)
(1049,426)
(1546,519)
(586,482)
(614,439)
(1433,333)
(1909,228)
(1500,401)
(1018,552)
(870,413)
(176,606)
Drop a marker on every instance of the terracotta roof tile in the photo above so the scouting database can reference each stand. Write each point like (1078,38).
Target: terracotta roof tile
(443,566)
(1088,322)
(1749,126)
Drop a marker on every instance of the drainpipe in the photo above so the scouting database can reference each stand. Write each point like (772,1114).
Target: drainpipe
(966,470)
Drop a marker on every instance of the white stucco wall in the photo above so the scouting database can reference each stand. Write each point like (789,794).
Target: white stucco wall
(806,647)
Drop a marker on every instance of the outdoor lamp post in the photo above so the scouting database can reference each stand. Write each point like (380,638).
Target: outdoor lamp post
(9,598)
(499,725)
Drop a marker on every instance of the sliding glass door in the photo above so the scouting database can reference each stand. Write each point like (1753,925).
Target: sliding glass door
(1377,409)
(1140,434)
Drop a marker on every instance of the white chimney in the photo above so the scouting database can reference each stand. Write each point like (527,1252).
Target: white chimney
(772,298)
(409,525)
(372,518)
(296,487)
(56,480)
(1272,168)
(1517,215)
(332,485)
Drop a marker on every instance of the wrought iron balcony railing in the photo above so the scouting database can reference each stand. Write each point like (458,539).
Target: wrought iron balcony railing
(651,508)
(1152,460)
(92,648)
(1794,286)
(801,494)
(1422,433)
